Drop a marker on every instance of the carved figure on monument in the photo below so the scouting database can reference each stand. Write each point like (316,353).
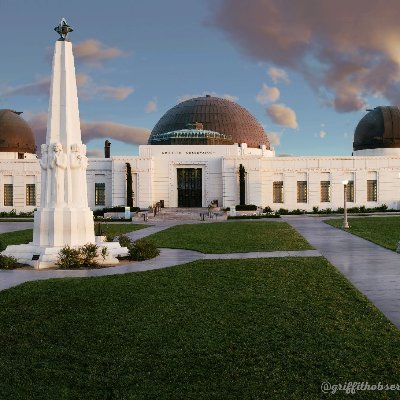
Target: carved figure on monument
(58,165)
(78,163)
(44,163)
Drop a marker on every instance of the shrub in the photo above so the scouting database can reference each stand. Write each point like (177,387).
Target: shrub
(82,257)
(88,253)
(125,241)
(104,252)
(9,262)
(109,237)
(283,211)
(271,215)
(69,258)
(142,249)
(315,210)
(267,209)
(383,207)
(297,211)
(246,207)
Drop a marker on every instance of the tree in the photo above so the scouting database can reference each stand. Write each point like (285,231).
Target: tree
(129,200)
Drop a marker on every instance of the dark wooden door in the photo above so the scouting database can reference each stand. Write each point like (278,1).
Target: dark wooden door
(189,187)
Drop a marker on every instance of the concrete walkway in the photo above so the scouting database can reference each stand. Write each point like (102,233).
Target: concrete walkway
(372,269)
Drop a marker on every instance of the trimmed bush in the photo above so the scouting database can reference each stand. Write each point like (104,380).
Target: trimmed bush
(9,262)
(69,258)
(142,249)
(125,241)
(100,212)
(246,207)
(88,253)
(82,257)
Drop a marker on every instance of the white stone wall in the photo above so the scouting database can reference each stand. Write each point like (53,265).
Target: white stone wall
(154,176)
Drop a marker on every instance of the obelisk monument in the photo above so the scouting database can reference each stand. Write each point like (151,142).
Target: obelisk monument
(64,217)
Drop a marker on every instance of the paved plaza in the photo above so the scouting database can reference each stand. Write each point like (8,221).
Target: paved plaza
(373,270)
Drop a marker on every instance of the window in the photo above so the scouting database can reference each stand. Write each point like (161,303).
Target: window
(325,191)
(350,192)
(21,156)
(372,194)
(278,191)
(100,194)
(30,195)
(8,194)
(302,191)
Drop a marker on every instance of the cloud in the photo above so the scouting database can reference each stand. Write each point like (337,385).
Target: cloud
(345,50)
(87,89)
(278,75)
(213,94)
(322,134)
(41,87)
(111,92)
(151,106)
(268,95)
(94,53)
(95,153)
(274,138)
(94,130)
(282,115)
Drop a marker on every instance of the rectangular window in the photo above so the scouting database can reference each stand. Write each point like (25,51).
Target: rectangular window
(100,194)
(8,194)
(278,191)
(372,193)
(30,195)
(350,192)
(325,191)
(302,191)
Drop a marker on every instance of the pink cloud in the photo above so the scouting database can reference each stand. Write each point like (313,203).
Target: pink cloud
(94,130)
(151,106)
(346,49)
(87,89)
(278,75)
(282,115)
(268,94)
(94,53)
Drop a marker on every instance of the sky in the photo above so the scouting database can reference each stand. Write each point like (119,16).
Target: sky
(307,69)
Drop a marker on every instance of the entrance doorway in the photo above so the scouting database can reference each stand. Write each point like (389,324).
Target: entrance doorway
(189,187)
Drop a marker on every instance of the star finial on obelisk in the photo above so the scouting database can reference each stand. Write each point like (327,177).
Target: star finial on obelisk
(63,29)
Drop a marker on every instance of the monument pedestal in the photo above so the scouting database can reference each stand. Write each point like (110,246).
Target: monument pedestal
(46,257)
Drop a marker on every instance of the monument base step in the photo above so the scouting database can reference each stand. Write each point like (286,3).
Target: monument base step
(46,257)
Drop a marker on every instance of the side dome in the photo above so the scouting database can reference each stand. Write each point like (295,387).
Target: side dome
(15,133)
(233,122)
(379,128)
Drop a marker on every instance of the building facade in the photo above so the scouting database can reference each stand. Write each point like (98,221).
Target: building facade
(194,156)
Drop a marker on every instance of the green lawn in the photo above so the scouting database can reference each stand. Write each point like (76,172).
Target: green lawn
(232,237)
(228,329)
(384,231)
(26,235)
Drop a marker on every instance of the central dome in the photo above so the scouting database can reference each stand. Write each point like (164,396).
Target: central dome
(220,116)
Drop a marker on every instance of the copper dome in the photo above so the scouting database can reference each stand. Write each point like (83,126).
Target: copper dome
(380,128)
(215,114)
(15,134)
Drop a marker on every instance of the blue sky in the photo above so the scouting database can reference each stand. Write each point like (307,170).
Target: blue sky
(135,60)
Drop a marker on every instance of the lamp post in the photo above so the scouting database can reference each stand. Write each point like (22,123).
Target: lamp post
(345,223)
